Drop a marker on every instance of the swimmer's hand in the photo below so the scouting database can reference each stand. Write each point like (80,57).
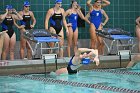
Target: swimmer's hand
(21,27)
(102,24)
(14,11)
(69,25)
(67,33)
(1,33)
(78,7)
(32,26)
(6,10)
(96,59)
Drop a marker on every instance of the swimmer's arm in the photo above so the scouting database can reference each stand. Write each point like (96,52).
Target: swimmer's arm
(16,15)
(48,15)
(105,3)
(82,50)
(138,21)
(33,19)
(16,24)
(89,4)
(106,17)
(80,14)
(67,13)
(64,20)
(96,58)
(1,33)
(135,60)
(130,64)
(2,17)
(92,52)
(15,21)
(87,18)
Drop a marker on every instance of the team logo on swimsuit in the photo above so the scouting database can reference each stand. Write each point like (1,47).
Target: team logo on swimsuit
(75,17)
(27,16)
(97,14)
(9,19)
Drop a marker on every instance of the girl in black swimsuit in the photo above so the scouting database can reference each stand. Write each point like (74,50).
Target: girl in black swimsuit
(7,21)
(56,17)
(27,23)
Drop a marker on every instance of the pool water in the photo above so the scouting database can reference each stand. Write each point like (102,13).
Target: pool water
(103,77)
(16,85)
(100,80)
(106,78)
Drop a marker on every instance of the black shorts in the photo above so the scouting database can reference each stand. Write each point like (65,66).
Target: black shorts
(70,71)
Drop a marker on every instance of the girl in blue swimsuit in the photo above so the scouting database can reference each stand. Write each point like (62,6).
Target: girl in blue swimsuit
(95,15)
(72,15)
(83,56)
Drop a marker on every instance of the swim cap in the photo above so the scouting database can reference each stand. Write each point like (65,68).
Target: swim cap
(85,61)
(58,1)
(97,0)
(9,7)
(74,1)
(26,3)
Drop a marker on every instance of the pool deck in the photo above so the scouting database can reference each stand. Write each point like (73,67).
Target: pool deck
(37,66)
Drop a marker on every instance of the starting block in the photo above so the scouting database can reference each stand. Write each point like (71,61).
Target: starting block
(124,54)
(49,56)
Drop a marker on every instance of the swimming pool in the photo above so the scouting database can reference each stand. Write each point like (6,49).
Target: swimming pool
(86,81)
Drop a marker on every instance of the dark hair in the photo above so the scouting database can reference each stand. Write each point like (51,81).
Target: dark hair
(72,2)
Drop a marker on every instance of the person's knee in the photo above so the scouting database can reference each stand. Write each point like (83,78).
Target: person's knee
(61,48)
(101,44)
(6,49)
(75,44)
(12,50)
(61,43)
(28,48)
(22,45)
(70,43)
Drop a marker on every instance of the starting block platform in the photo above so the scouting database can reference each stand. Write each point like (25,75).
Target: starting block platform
(40,37)
(118,38)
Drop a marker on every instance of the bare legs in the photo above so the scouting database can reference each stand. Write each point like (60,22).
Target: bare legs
(25,44)
(9,45)
(138,36)
(61,43)
(96,41)
(1,43)
(72,38)
(93,37)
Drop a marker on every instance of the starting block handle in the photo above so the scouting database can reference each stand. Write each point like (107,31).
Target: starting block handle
(124,52)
